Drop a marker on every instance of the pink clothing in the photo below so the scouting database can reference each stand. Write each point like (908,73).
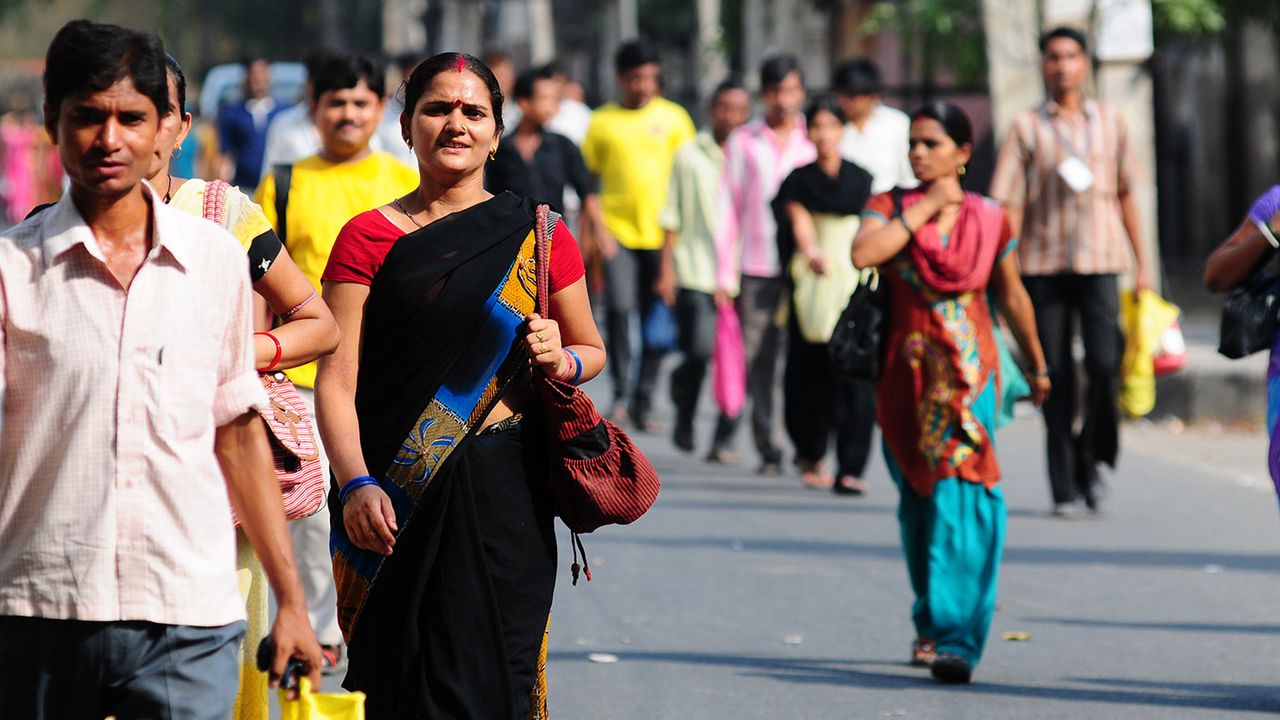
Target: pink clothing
(112,504)
(754,168)
(19,168)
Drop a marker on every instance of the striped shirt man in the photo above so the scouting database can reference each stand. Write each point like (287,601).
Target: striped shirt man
(756,161)
(1068,230)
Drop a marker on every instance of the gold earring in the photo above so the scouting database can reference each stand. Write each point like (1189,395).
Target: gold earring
(493,154)
(963,171)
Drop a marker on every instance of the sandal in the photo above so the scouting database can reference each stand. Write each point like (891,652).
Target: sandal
(923,652)
(333,659)
(850,485)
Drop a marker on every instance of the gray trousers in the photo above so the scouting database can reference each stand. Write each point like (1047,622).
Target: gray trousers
(763,339)
(629,279)
(71,669)
(696,318)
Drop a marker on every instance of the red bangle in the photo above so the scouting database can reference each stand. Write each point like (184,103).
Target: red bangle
(279,351)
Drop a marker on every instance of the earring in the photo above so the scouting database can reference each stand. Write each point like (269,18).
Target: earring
(493,154)
(177,152)
(963,170)
(409,143)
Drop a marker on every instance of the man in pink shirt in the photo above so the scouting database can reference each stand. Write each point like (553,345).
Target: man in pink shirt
(757,158)
(128,423)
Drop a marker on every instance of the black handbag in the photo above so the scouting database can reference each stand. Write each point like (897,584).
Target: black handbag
(856,348)
(1250,316)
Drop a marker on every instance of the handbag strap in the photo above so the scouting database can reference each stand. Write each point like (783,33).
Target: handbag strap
(544,225)
(215,201)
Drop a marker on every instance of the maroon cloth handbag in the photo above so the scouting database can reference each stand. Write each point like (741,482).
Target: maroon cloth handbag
(597,476)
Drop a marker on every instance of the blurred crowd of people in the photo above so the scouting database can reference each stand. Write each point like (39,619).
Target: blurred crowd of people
(389,236)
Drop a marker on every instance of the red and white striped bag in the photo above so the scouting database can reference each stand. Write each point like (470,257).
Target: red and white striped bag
(293,438)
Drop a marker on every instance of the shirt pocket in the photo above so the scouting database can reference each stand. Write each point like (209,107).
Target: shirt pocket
(186,386)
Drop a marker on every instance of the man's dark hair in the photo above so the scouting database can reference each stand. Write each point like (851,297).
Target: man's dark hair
(726,85)
(1063,32)
(89,56)
(342,71)
(826,102)
(525,81)
(634,54)
(314,58)
(776,69)
(859,76)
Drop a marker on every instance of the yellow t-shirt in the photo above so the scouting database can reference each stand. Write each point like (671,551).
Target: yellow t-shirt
(322,198)
(632,152)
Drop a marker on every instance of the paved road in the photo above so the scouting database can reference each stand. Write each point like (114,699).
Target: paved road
(747,597)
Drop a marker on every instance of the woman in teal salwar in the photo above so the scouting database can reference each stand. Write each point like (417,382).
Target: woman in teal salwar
(443,542)
(938,395)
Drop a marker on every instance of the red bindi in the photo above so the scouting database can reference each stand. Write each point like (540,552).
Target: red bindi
(457,103)
(460,64)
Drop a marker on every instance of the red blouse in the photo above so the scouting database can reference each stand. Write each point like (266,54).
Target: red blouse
(366,239)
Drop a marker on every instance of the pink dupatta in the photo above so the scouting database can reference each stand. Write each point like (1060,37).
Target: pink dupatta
(965,261)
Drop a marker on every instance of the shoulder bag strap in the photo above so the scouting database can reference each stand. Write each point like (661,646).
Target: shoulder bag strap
(215,201)
(544,225)
(284,177)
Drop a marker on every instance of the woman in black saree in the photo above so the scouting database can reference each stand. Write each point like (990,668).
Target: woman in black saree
(444,550)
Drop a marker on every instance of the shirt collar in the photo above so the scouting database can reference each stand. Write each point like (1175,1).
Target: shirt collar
(799,133)
(64,228)
(707,141)
(1088,107)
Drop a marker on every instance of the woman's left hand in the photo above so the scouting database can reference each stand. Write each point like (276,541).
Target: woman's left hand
(544,345)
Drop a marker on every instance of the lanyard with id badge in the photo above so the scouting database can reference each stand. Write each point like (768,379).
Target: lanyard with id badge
(1075,171)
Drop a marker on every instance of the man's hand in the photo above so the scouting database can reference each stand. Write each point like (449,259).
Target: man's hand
(606,244)
(665,286)
(1141,280)
(722,297)
(294,638)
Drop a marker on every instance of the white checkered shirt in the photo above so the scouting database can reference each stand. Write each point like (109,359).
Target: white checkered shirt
(112,503)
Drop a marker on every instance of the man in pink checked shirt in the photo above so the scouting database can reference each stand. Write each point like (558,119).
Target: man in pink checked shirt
(128,424)
(757,158)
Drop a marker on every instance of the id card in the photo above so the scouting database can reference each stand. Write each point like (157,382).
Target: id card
(1076,174)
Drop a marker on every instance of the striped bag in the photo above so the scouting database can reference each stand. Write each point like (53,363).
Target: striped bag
(290,432)
(598,475)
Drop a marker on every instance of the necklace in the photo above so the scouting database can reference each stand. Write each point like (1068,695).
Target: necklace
(168,191)
(412,219)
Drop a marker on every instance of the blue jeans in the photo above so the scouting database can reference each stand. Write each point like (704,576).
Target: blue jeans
(56,669)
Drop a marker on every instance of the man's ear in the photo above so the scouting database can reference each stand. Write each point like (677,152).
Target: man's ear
(50,123)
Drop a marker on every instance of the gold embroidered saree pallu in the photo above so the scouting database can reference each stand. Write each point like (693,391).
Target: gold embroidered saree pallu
(452,622)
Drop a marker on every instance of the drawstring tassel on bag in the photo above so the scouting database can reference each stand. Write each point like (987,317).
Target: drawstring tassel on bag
(584,567)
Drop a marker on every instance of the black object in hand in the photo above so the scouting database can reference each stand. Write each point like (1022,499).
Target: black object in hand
(292,669)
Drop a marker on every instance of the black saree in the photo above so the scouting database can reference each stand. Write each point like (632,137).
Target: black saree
(451,624)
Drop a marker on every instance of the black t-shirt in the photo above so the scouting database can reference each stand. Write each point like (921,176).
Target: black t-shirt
(845,194)
(557,163)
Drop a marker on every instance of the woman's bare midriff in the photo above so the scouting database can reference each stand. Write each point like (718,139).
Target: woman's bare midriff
(513,402)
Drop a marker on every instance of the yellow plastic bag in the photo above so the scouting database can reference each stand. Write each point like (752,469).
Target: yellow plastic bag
(1144,317)
(321,706)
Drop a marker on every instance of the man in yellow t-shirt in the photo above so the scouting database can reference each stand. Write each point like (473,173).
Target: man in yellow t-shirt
(631,145)
(323,192)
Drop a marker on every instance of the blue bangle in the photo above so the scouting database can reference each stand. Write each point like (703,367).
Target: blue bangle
(577,362)
(354,484)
